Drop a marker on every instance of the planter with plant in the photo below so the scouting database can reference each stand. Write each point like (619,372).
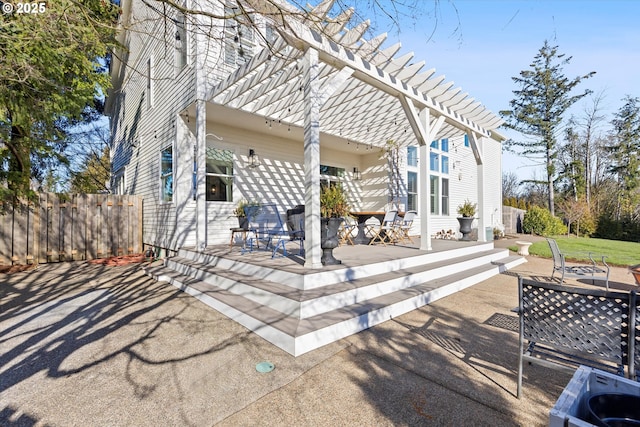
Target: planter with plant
(333,209)
(467,210)
(240,212)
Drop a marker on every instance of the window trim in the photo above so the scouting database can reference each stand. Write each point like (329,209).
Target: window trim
(231,177)
(162,176)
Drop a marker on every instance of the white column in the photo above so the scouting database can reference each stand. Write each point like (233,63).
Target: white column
(424,185)
(201,160)
(482,214)
(313,251)
(477,148)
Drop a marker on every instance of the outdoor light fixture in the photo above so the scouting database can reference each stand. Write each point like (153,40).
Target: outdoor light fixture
(357,175)
(254,160)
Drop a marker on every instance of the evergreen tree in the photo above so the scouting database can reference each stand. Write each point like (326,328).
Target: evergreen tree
(52,76)
(538,109)
(625,154)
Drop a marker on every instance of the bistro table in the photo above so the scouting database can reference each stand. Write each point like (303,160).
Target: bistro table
(362,217)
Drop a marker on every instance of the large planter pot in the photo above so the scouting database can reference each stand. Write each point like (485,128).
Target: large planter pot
(329,239)
(465,226)
(243,222)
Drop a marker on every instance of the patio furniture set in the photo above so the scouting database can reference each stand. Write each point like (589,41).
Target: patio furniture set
(265,226)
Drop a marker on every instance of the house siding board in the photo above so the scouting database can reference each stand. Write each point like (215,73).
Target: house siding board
(493,182)
(140,132)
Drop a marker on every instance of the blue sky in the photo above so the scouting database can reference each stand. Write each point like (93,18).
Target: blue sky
(481,44)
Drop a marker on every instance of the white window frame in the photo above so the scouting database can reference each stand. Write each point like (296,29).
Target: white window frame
(441,206)
(119,181)
(181,53)
(231,176)
(162,176)
(239,39)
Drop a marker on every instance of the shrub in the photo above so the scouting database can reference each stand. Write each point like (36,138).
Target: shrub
(539,221)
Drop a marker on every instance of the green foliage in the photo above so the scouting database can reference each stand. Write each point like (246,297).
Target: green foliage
(538,108)
(539,221)
(243,203)
(333,202)
(625,156)
(94,176)
(52,74)
(623,229)
(467,209)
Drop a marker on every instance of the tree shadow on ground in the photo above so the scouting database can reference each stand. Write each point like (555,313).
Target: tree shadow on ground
(68,309)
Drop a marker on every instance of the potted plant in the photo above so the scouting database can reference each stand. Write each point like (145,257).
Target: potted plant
(240,212)
(468,211)
(333,209)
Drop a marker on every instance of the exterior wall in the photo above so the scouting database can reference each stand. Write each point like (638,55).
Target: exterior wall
(279,179)
(148,114)
(144,120)
(492,183)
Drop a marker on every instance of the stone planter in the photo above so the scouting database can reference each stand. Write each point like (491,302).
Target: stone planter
(329,239)
(465,227)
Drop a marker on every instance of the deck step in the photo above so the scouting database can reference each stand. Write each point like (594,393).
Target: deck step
(298,335)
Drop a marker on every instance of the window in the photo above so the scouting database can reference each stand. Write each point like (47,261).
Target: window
(150,82)
(331,175)
(466,140)
(239,40)
(444,145)
(219,175)
(412,156)
(433,162)
(445,165)
(118,186)
(182,42)
(412,191)
(434,194)
(439,166)
(445,196)
(166,175)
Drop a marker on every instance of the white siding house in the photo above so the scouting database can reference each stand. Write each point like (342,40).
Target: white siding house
(193,96)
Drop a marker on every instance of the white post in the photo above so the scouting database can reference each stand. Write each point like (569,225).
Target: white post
(201,161)
(313,251)
(424,185)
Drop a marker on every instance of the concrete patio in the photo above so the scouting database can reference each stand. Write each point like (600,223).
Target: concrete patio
(92,345)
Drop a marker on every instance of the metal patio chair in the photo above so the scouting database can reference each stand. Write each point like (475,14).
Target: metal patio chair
(592,271)
(265,224)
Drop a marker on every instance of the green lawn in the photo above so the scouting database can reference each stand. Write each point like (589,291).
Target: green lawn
(617,253)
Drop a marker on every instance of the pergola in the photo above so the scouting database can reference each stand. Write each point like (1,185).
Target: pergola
(324,77)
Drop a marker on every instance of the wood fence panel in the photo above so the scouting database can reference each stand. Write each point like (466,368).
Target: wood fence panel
(78,227)
(32,237)
(91,204)
(6,230)
(20,232)
(41,228)
(54,228)
(80,232)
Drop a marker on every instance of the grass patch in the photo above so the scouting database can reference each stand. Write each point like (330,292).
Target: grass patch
(618,253)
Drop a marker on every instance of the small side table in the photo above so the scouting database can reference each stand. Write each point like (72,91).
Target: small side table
(235,230)
(523,247)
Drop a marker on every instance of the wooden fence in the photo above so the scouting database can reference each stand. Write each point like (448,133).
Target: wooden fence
(70,227)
